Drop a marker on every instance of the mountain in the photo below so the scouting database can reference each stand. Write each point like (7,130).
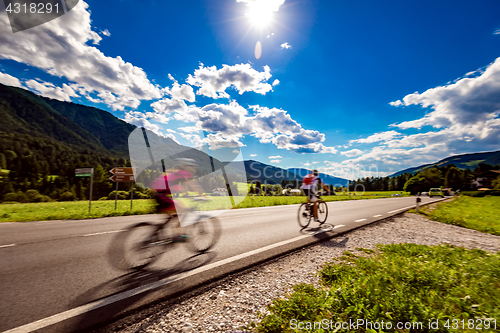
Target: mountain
(327,179)
(274,175)
(464,161)
(26,114)
(52,135)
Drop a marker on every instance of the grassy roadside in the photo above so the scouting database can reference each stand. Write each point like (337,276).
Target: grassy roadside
(480,214)
(43,211)
(415,285)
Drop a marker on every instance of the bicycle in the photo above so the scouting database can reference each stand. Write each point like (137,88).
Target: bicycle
(142,244)
(306,213)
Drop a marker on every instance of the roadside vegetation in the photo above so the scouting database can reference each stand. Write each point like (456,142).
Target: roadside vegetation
(454,288)
(478,213)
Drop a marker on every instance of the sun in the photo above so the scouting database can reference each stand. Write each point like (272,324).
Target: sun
(260,14)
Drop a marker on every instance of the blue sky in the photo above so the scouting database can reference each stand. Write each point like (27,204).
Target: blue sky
(353,88)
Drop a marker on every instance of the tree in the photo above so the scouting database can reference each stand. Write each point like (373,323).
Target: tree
(416,184)
(452,178)
(3,161)
(496,183)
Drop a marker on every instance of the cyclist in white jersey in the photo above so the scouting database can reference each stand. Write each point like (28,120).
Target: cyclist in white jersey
(310,188)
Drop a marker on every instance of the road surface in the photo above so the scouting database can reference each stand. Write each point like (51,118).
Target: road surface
(50,267)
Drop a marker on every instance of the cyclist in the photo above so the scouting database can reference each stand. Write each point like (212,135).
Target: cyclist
(173,182)
(309,187)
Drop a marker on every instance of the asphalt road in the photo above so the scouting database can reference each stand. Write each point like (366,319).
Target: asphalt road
(50,267)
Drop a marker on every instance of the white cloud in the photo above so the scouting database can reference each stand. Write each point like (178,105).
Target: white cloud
(213,82)
(377,137)
(60,47)
(49,90)
(352,153)
(276,82)
(167,105)
(181,92)
(496,32)
(190,129)
(253,155)
(466,112)
(286,46)
(106,32)
(306,164)
(274,157)
(139,119)
(10,80)
(275,161)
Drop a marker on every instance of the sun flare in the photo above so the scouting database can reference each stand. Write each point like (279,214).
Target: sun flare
(260,14)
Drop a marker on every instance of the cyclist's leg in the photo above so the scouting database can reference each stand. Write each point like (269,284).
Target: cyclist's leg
(314,199)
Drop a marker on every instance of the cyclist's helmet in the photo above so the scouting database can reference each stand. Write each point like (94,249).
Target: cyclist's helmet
(315,172)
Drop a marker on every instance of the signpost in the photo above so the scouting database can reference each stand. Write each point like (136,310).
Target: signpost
(87,172)
(123,175)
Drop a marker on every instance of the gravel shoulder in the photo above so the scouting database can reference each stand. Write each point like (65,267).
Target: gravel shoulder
(232,303)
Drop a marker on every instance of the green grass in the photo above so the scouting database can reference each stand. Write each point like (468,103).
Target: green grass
(43,211)
(405,283)
(480,214)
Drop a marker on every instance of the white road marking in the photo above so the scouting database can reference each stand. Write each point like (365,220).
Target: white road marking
(379,215)
(338,226)
(397,210)
(360,220)
(39,324)
(8,245)
(101,233)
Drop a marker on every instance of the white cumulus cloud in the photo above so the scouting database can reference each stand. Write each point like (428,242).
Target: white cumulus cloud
(286,46)
(352,153)
(213,82)
(10,80)
(60,47)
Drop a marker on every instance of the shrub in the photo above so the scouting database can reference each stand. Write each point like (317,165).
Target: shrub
(33,196)
(122,195)
(67,196)
(10,197)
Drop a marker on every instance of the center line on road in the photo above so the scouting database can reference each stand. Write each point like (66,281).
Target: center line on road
(8,245)
(360,220)
(101,233)
(379,215)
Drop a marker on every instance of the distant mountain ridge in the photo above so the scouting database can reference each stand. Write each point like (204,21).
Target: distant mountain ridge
(464,161)
(274,175)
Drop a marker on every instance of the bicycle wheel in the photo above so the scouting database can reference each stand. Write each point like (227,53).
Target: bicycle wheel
(141,245)
(322,211)
(305,215)
(204,233)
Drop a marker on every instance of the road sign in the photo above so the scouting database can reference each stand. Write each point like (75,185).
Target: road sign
(122,171)
(87,172)
(84,172)
(122,178)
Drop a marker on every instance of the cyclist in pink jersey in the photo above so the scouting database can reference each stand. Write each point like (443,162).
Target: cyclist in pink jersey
(176,182)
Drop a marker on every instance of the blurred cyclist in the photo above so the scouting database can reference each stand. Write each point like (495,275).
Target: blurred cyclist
(177,182)
(310,188)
